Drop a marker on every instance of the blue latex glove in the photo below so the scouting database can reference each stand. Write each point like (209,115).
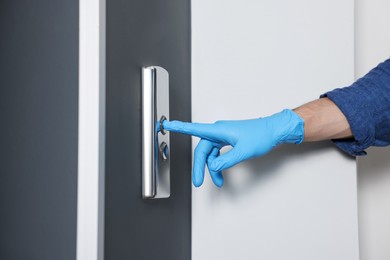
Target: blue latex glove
(249,139)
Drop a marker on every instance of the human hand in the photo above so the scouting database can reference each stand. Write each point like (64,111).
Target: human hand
(248,139)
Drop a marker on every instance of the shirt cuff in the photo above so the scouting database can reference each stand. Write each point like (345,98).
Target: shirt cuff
(359,119)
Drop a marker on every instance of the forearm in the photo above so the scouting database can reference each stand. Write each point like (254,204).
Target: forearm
(323,121)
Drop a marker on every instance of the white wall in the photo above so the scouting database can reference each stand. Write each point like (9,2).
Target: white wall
(373,46)
(91,134)
(253,58)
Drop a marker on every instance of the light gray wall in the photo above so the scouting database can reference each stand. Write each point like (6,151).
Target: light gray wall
(372,47)
(254,58)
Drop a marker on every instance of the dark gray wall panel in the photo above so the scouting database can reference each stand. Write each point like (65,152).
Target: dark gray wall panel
(146,32)
(38,129)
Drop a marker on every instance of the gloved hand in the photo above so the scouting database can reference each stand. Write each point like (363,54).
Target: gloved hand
(249,139)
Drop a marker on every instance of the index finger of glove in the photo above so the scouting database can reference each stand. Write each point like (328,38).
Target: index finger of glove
(206,131)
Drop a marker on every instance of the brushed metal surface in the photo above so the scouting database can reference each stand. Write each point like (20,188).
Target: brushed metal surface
(155,106)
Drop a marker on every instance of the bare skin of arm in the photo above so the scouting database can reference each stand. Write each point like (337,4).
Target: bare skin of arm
(323,121)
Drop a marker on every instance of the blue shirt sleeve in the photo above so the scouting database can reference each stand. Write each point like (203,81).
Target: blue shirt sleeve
(366,105)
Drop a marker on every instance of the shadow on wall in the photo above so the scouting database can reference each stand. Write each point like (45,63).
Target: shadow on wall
(373,203)
(375,167)
(258,171)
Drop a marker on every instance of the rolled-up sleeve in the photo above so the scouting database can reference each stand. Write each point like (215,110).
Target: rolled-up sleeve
(366,105)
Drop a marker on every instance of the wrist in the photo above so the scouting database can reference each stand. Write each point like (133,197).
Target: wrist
(323,120)
(293,130)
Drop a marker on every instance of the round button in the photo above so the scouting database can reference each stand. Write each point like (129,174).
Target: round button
(162,119)
(164,151)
